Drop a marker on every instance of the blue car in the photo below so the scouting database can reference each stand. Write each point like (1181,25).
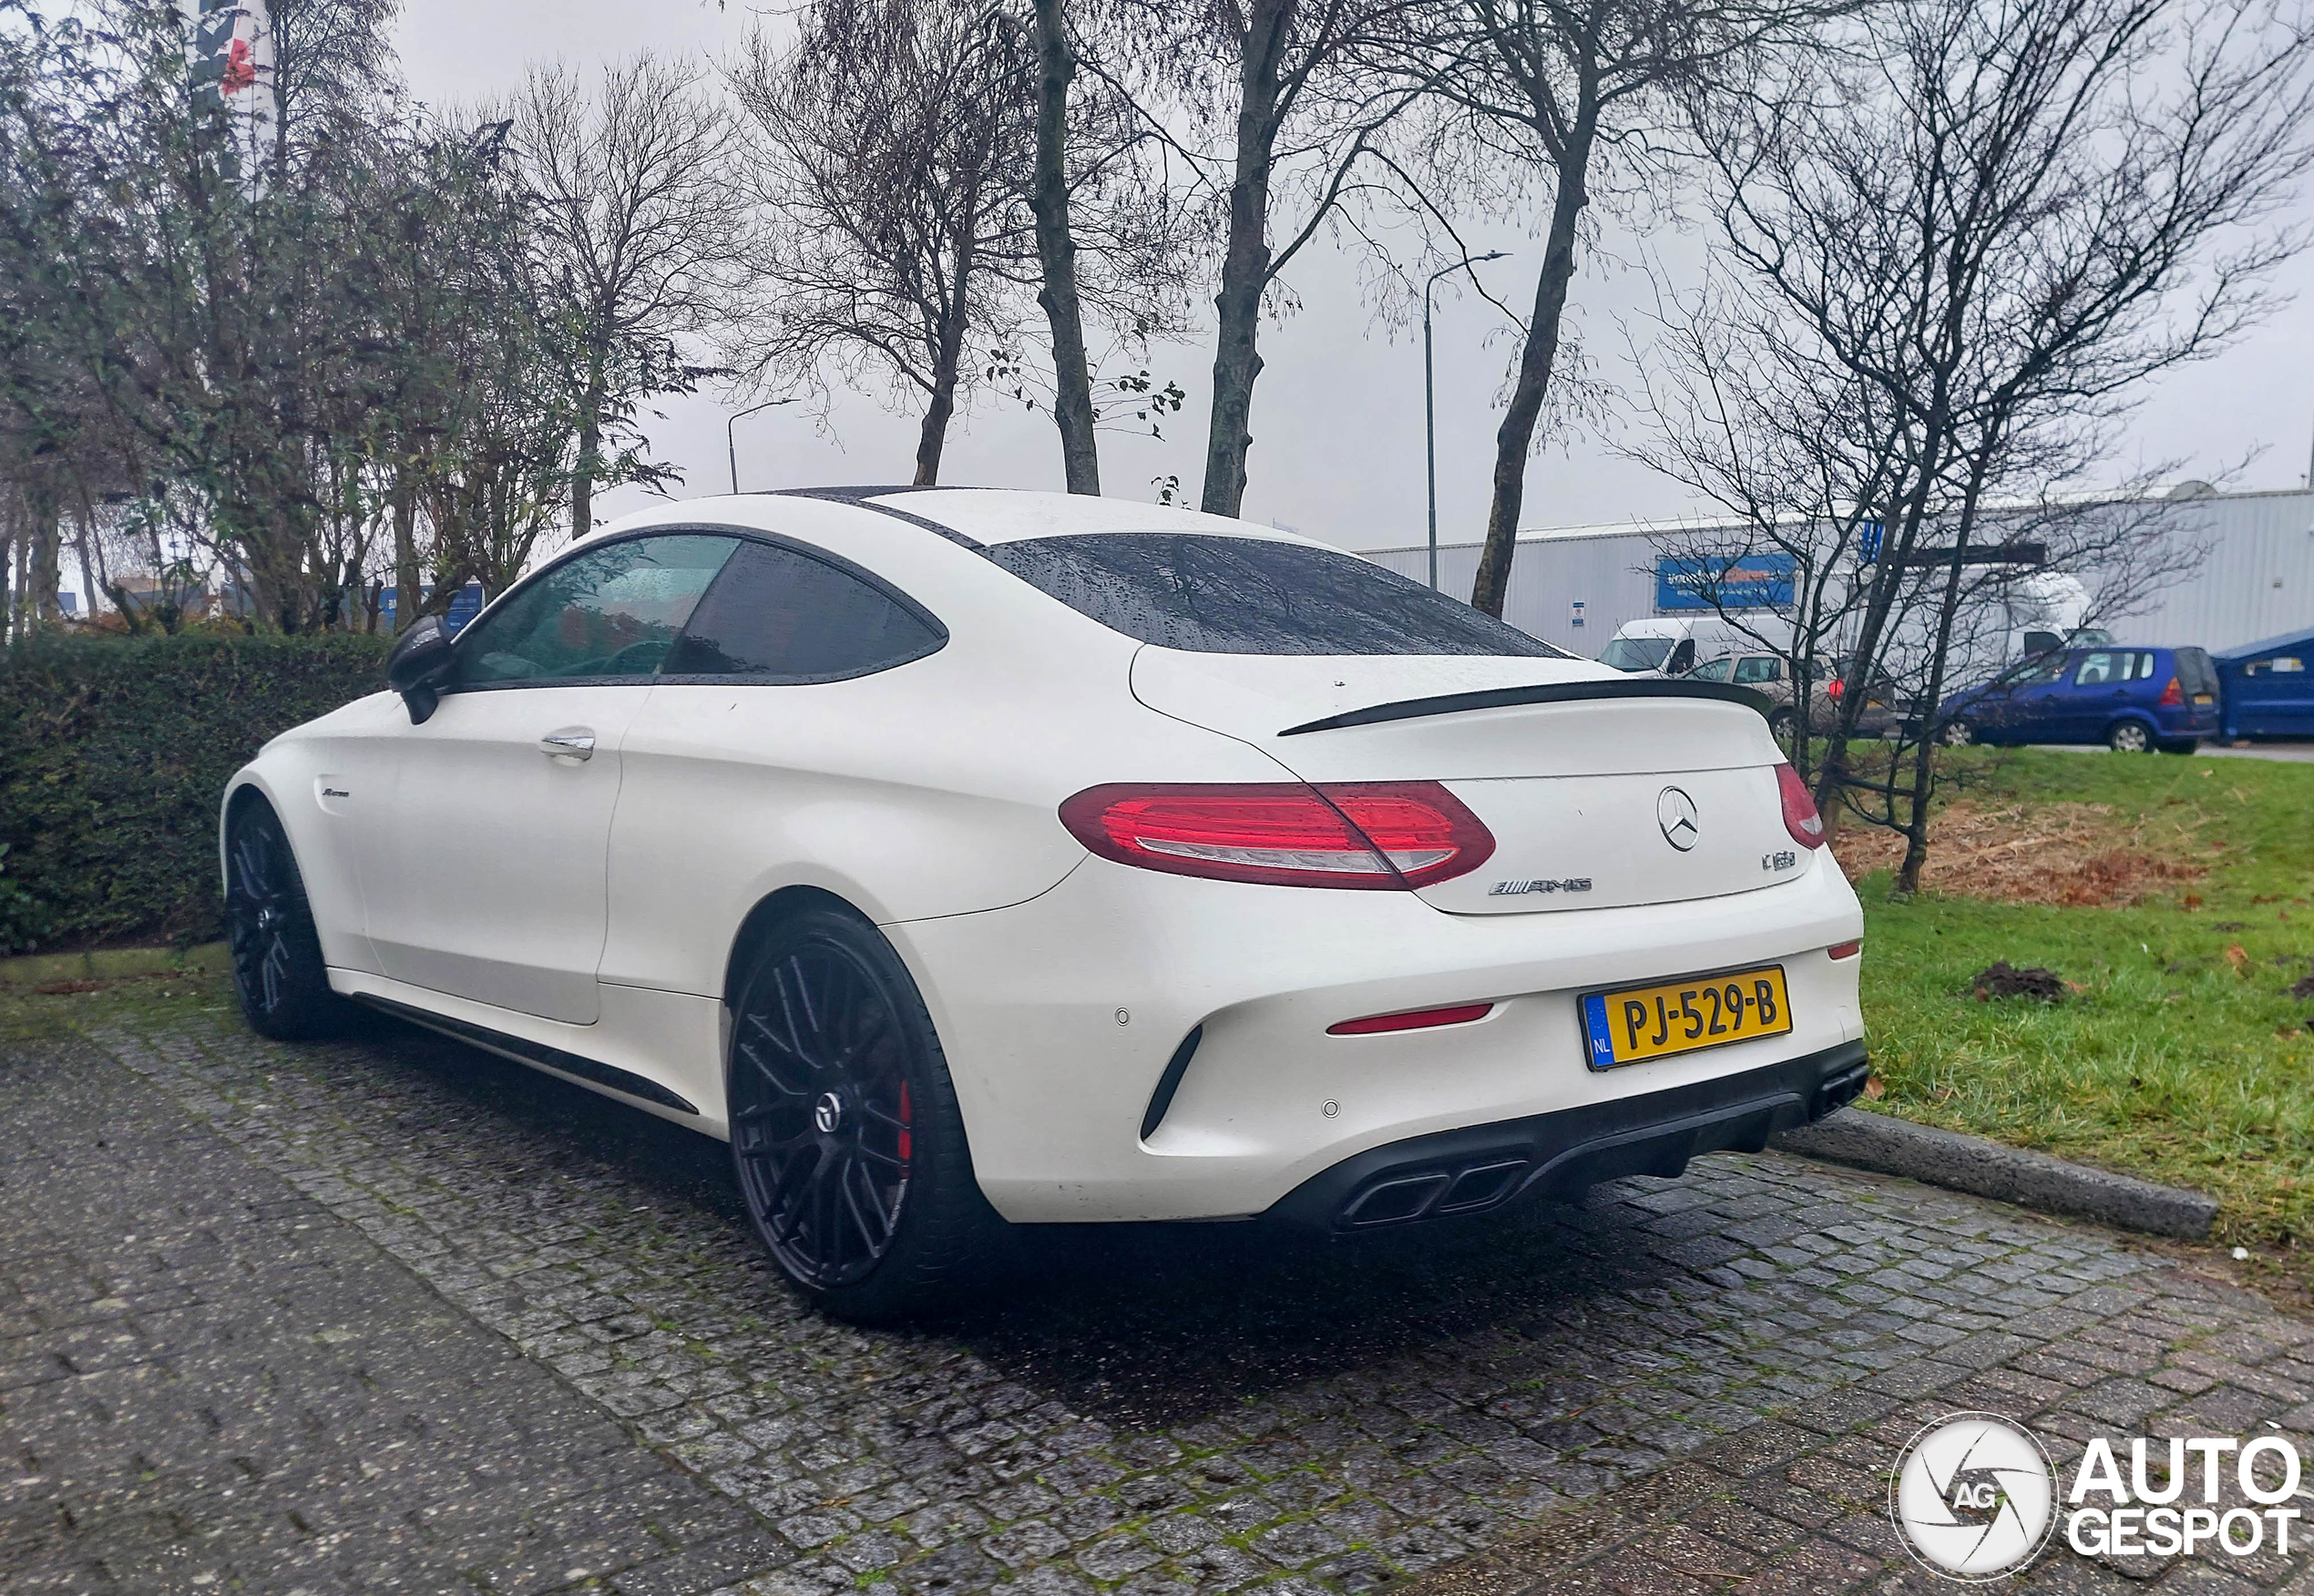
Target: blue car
(2269,687)
(2129,699)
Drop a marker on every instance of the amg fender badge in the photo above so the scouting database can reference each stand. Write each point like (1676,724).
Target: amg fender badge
(1521,888)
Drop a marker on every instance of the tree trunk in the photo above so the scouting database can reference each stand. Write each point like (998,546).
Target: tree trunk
(948,359)
(45,550)
(1056,253)
(588,465)
(407,594)
(1515,440)
(1237,360)
(1916,828)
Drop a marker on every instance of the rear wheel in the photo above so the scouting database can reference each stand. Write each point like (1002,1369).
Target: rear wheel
(845,1133)
(2129,736)
(283,985)
(1957,732)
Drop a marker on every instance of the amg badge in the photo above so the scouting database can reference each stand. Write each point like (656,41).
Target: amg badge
(1521,888)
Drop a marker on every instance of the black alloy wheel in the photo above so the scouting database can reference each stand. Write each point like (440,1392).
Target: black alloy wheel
(845,1133)
(277,970)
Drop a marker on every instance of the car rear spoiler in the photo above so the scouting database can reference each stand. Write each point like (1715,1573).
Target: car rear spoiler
(1563,692)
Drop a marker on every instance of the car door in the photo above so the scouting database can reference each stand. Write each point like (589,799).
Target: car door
(2092,697)
(2273,696)
(485,874)
(2015,707)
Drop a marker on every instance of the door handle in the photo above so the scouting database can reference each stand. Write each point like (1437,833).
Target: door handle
(576,743)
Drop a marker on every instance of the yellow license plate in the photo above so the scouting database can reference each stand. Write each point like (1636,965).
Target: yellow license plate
(1633,1023)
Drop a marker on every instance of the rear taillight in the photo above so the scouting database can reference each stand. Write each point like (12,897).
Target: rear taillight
(1385,835)
(1800,818)
(1848,949)
(1836,688)
(2172,695)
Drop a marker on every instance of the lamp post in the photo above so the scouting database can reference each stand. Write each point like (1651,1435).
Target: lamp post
(1429,399)
(732,447)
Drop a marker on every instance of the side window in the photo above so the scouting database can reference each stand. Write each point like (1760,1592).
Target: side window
(1717,671)
(2279,665)
(2040,642)
(613,611)
(1683,659)
(1757,668)
(2145,668)
(2098,668)
(778,615)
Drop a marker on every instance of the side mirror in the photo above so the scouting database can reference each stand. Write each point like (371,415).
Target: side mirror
(419,665)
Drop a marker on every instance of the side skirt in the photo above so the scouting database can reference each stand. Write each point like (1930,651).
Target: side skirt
(538,1055)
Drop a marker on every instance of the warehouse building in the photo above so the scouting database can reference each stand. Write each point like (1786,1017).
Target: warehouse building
(1573,586)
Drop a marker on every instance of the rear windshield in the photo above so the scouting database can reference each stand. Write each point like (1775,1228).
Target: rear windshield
(2195,672)
(1637,653)
(1219,595)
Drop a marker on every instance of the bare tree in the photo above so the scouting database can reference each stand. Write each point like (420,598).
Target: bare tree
(1988,227)
(636,209)
(1580,97)
(914,195)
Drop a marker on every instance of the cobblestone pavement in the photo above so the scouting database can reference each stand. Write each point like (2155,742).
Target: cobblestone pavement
(1209,1409)
(207,1381)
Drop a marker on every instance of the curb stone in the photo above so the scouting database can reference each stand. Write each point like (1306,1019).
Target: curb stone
(1890,1145)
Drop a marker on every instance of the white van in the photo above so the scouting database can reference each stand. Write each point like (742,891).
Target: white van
(1666,645)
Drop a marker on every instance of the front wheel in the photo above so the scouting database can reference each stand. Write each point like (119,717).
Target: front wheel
(2129,736)
(1783,725)
(1957,733)
(849,1145)
(278,971)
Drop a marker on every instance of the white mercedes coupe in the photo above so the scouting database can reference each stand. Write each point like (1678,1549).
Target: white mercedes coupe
(968,856)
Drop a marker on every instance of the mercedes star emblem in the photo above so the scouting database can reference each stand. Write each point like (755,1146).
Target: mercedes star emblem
(1675,813)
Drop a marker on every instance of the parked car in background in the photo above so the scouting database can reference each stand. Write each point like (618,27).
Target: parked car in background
(1674,644)
(1770,675)
(2129,699)
(2267,688)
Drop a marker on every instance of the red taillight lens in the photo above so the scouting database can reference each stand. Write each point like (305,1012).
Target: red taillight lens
(2172,695)
(1835,687)
(1385,835)
(1800,818)
(1412,1020)
(1849,949)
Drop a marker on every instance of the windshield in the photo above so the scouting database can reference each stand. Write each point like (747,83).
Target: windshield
(1637,653)
(1220,595)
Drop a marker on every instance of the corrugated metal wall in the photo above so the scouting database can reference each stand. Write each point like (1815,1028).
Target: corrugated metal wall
(2256,582)
(1612,575)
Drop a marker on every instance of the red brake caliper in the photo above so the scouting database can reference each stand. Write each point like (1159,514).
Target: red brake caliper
(906,1119)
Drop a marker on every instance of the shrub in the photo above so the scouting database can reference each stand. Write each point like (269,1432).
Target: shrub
(113,755)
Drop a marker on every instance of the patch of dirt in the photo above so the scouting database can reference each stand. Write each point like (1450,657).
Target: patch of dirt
(2305,987)
(2004,979)
(2073,855)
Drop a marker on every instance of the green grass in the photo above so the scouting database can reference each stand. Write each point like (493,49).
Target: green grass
(2176,1061)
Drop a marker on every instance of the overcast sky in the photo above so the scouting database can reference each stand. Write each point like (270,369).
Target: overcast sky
(1338,414)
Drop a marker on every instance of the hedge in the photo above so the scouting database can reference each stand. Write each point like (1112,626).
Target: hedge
(112,754)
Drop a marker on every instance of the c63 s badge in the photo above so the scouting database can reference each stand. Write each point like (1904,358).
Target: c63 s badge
(1521,888)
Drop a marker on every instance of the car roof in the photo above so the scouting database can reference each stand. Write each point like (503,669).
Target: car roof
(2303,638)
(974,516)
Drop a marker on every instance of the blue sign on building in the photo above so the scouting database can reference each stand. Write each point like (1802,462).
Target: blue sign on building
(1750,581)
(463,609)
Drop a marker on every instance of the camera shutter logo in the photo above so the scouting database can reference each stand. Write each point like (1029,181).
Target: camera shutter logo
(1974,1497)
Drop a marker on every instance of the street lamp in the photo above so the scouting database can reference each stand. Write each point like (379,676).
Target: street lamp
(1429,399)
(731,447)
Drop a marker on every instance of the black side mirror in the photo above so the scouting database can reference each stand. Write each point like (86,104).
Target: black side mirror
(419,665)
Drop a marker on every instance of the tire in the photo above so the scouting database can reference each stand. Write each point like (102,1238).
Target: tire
(2129,736)
(278,972)
(845,1134)
(2181,745)
(1782,725)
(1957,732)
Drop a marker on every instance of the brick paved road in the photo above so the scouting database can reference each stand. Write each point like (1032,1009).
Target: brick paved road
(1211,1409)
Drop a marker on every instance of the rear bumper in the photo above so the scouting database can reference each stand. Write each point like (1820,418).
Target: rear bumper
(1485,1168)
